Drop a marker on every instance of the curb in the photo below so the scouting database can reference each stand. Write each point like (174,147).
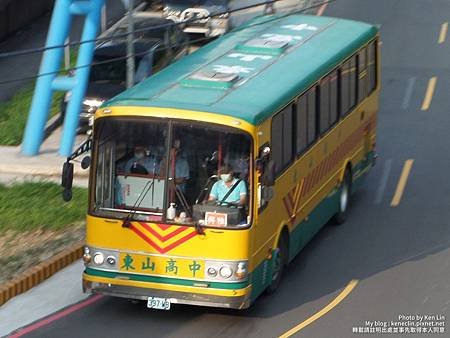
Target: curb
(36,275)
(21,169)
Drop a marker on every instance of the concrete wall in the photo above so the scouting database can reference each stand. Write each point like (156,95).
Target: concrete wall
(16,14)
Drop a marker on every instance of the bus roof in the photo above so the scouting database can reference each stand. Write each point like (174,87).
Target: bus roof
(254,70)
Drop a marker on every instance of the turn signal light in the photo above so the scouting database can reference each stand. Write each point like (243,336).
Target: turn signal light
(87,258)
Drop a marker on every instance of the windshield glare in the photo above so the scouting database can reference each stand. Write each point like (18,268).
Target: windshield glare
(171,172)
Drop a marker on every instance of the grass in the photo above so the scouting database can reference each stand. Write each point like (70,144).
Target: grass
(30,206)
(14,114)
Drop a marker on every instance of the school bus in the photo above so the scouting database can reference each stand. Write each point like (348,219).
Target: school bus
(287,104)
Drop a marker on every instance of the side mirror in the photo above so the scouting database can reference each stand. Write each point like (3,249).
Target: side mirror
(67,180)
(86,162)
(268,176)
(266,166)
(267,193)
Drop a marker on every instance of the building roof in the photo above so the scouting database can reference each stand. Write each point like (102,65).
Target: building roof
(254,70)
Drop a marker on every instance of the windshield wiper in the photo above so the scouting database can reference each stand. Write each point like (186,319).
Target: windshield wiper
(126,222)
(150,184)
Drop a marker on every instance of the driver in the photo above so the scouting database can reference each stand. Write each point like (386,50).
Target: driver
(220,189)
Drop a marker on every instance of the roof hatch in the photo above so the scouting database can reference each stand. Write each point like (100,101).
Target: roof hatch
(211,79)
(263,46)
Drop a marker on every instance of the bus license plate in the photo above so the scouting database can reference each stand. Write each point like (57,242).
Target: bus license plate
(158,303)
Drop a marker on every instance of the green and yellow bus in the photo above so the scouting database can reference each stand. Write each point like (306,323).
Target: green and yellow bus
(287,105)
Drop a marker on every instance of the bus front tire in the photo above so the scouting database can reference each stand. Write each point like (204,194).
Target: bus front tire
(279,265)
(344,199)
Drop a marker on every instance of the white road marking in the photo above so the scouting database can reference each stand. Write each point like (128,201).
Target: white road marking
(384,179)
(409,92)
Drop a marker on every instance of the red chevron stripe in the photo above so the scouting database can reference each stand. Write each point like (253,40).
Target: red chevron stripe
(336,157)
(313,177)
(316,176)
(323,169)
(167,248)
(166,237)
(330,162)
(291,200)
(287,206)
(319,172)
(180,241)
(164,226)
(310,177)
(327,165)
(303,192)
(145,238)
(333,159)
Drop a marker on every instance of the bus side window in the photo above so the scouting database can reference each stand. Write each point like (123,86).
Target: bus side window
(282,147)
(372,66)
(362,74)
(287,135)
(312,115)
(345,88)
(306,120)
(302,124)
(324,106)
(352,75)
(333,97)
(277,141)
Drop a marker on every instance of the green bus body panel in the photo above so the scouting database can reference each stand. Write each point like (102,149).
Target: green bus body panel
(267,80)
(165,280)
(307,229)
(326,209)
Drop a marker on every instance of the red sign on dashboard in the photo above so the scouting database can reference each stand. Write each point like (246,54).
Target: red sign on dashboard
(215,219)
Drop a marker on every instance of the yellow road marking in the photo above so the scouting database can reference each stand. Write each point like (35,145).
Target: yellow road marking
(443,34)
(402,183)
(429,94)
(349,288)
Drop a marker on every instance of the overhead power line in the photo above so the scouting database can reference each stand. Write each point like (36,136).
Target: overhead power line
(143,29)
(65,70)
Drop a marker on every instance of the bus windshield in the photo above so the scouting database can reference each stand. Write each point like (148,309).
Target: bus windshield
(174,172)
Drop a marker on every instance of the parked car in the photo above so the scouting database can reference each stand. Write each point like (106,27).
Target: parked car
(153,49)
(182,10)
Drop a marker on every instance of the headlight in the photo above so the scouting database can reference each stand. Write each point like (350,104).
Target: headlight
(225,271)
(111,260)
(98,258)
(93,102)
(212,272)
(231,271)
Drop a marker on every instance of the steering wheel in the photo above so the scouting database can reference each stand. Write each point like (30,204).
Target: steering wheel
(231,204)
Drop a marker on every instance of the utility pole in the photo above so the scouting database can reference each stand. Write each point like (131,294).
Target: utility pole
(103,19)
(130,46)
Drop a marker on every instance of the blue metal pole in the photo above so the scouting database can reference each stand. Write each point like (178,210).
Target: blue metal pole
(51,61)
(85,56)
